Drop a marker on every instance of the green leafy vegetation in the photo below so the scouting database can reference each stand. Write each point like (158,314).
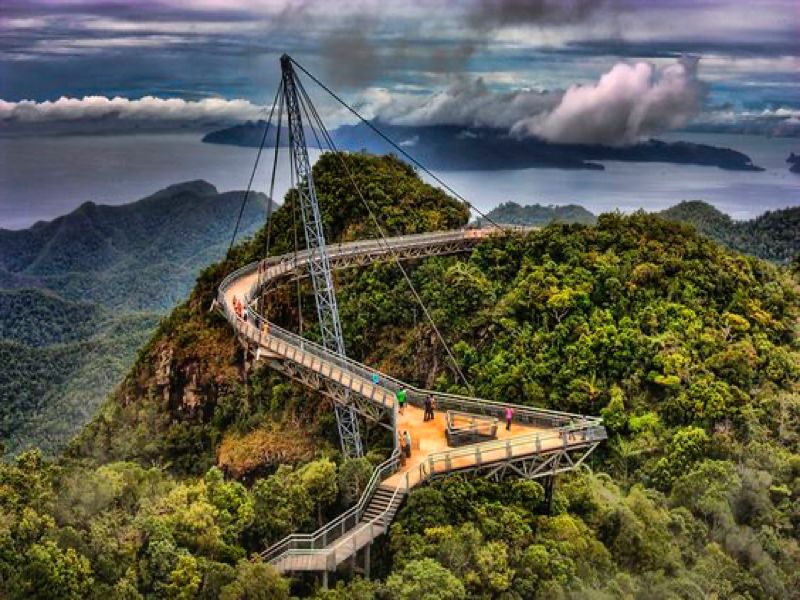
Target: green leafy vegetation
(689,352)
(86,291)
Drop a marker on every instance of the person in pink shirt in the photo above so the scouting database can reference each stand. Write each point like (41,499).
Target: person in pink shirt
(509,416)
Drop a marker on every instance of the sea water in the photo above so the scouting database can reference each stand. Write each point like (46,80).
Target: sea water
(44,177)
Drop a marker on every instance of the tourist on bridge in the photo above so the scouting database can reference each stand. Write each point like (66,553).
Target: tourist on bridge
(407,443)
(376,379)
(509,416)
(401,400)
(429,402)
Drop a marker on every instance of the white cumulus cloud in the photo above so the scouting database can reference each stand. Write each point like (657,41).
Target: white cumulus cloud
(148,108)
(627,104)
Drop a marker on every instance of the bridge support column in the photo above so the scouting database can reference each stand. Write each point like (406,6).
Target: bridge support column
(325,579)
(366,560)
(549,484)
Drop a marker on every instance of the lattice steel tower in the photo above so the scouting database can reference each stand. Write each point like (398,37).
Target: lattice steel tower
(319,263)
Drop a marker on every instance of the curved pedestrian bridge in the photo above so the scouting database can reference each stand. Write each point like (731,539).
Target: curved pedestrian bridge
(539,443)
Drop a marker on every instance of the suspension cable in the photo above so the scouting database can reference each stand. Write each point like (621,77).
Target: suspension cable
(274,171)
(382,234)
(253,172)
(395,145)
(309,121)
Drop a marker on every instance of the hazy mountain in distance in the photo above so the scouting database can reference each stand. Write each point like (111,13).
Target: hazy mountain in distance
(124,256)
(539,215)
(774,235)
(85,291)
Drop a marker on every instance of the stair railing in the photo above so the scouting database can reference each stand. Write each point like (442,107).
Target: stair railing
(384,517)
(338,527)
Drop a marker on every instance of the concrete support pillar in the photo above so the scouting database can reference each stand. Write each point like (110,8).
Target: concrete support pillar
(325,579)
(366,560)
(549,484)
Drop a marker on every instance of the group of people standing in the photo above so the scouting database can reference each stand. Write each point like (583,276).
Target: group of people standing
(429,404)
(401,397)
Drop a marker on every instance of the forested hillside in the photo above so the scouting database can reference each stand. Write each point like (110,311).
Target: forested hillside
(688,350)
(85,291)
(775,235)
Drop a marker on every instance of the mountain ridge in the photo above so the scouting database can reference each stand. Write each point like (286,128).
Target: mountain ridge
(81,293)
(773,235)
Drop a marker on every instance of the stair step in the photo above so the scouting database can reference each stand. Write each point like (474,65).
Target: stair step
(378,513)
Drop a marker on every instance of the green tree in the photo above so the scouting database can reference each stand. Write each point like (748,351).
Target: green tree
(354,474)
(319,479)
(424,579)
(256,581)
(51,573)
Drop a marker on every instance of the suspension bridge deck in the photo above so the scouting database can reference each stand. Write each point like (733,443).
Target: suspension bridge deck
(540,443)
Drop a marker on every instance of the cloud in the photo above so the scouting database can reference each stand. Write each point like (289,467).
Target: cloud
(149,108)
(630,102)
(777,122)
(500,13)
(466,102)
(430,37)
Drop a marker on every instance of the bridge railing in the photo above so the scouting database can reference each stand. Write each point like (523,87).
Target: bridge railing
(467,428)
(263,333)
(257,328)
(338,527)
(536,417)
(486,453)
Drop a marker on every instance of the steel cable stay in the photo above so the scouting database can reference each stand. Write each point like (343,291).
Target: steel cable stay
(255,168)
(383,236)
(394,145)
(274,171)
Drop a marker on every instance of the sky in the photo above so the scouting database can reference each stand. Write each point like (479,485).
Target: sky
(607,71)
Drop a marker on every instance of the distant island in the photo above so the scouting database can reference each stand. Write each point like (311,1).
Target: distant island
(794,162)
(774,235)
(447,147)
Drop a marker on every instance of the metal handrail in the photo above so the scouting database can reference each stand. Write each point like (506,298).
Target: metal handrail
(415,395)
(496,450)
(337,527)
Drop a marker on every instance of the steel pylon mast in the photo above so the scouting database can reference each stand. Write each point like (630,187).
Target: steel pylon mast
(319,263)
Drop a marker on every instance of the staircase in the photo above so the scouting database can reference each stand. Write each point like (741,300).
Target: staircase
(374,522)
